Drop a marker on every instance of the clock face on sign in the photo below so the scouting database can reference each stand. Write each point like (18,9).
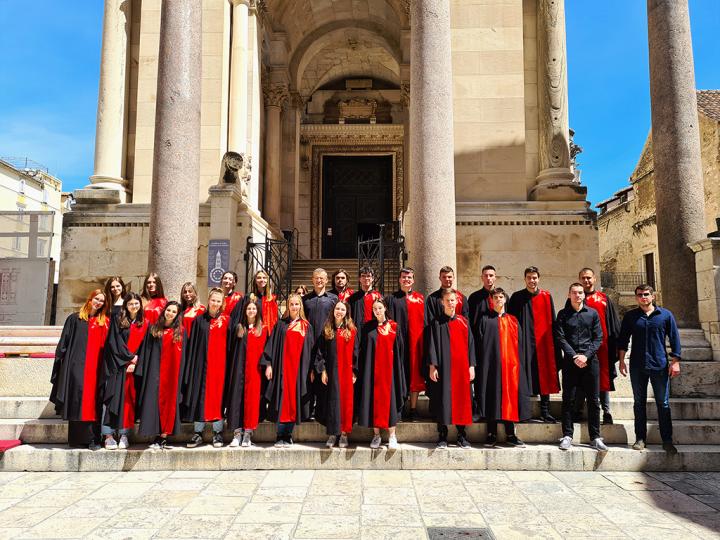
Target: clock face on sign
(216,274)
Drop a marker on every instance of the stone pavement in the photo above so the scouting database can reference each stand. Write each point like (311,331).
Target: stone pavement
(358,504)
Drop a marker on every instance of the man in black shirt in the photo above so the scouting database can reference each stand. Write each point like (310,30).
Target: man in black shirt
(579,335)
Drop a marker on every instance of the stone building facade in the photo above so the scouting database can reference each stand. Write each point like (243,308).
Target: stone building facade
(349,114)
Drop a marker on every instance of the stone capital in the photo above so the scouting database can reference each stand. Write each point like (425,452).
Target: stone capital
(405,94)
(257,6)
(247,3)
(275,94)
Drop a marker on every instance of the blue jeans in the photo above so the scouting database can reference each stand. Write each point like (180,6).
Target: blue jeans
(660,381)
(217,426)
(107,430)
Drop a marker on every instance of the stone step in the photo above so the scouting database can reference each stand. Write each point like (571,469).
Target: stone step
(539,457)
(30,331)
(622,408)
(54,431)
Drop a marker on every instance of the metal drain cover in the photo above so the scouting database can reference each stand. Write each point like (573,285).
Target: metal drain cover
(457,533)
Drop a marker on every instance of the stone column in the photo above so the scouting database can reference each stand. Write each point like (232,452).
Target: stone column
(679,195)
(176,161)
(431,228)
(275,96)
(108,184)
(555,181)
(238,136)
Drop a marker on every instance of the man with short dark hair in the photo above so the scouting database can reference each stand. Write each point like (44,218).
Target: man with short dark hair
(433,303)
(361,301)
(650,326)
(579,335)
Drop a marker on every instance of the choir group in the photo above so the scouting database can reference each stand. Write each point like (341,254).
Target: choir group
(339,356)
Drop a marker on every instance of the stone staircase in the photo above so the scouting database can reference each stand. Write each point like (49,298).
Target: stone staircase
(25,414)
(303,269)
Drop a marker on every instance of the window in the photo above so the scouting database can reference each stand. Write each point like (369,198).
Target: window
(649,260)
(21,186)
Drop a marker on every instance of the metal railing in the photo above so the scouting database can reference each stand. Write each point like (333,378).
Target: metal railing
(385,255)
(625,282)
(275,257)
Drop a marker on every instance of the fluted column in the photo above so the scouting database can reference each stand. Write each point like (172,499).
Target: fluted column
(431,227)
(238,136)
(111,127)
(679,195)
(555,181)
(176,159)
(275,96)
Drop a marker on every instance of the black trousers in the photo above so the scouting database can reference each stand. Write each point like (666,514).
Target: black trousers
(588,379)
(509,427)
(580,401)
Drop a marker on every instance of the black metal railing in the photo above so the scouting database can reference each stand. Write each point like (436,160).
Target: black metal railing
(275,257)
(625,282)
(385,255)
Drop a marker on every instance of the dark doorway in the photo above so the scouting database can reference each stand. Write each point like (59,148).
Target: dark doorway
(357,196)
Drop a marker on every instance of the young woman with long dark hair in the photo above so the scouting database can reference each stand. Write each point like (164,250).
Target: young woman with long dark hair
(115,291)
(153,296)
(190,305)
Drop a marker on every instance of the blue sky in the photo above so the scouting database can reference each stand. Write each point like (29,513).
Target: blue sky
(51,54)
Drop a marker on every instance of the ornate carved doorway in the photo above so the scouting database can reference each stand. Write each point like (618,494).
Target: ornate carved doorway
(357,197)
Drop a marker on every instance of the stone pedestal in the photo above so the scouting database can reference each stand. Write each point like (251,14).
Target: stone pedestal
(679,194)
(275,96)
(225,200)
(430,230)
(707,268)
(173,249)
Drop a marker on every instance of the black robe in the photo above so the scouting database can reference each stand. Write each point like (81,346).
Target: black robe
(490,374)
(365,383)
(398,311)
(273,356)
(331,396)
(117,356)
(434,308)
(479,305)
(443,339)
(234,397)
(359,310)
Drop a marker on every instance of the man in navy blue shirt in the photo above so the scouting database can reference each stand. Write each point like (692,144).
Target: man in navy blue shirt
(649,326)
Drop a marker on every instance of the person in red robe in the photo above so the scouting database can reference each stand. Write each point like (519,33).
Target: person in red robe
(407,309)
(382,377)
(245,383)
(153,296)
(76,374)
(228,282)
(607,354)
(336,362)
(203,379)
(159,369)
(504,376)
(535,311)
(190,306)
(287,362)
(433,303)
(115,291)
(361,301)
(341,287)
(126,334)
(262,294)
(451,360)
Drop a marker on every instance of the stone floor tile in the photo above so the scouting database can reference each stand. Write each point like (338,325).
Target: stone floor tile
(24,517)
(337,526)
(387,479)
(585,525)
(7,503)
(163,498)
(497,493)
(672,501)
(56,527)
(294,494)
(388,515)
(614,494)
(50,478)
(389,495)
(581,479)
(335,488)
(531,476)
(229,490)
(254,512)
(332,505)
(627,514)
(191,526)
(7,533)
(544,488)
(142,476)
(643,531)
(485,478)
(393,533)
(260,531)
(521,531)
(183,484)
(432,476)
(90,508)
(503,513)
(6,477)
(637,482)
(122,491)
(448,504)
(338,476)
(710,500)
(468,519)
(703,525)
(77,482)
(213,505)
(13,490)
(102,533)
(141,517)
(195,474)
(240,477)
(55,498)
(287,478)
(573,504)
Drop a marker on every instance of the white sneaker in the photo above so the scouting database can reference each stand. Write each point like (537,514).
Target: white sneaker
(123,444)
(375,443)
(343,441)
(235,443)
(566,443)
(110,443)
(247,439)
(331,441)
(599,445)
(392,443)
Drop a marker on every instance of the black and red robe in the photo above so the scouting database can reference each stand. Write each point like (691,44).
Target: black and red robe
(536,315)
(480,305)
(339,357)
(289,352)
(451,349)
(77,371)
(504,384)
(361,306)
(244,404)
(203,379)
(267,305)
(610,324)
(153,308)
(408,311)
(189,316)
(159,369)
(434,308)
(232,300)
(382,381)
(344,295)
(120,396)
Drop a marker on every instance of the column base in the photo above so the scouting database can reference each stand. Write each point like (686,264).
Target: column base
(557,185)
(97,194)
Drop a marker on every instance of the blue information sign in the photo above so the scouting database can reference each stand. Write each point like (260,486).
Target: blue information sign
(218,261)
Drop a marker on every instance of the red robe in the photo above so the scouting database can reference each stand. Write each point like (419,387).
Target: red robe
(339,358)
(231,300)
(408,310)
(189,316)
(153,308)
(361,306)
(607,355)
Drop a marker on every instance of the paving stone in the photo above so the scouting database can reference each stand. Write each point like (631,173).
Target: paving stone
(385,515)
(287,478)
(162,497)
(260,531)
(6,533)
(330,526)
(254,512)
(229,490)
(57,527)
(672,501)
(450,504)
(389,495)
(332,505)
(24,517)
(585,525)
(467,519)
(213,505)
(387,478)
(393,533)
(192,526)
(103,533)
(293,494)
(520,531)
(7,503)
(54,498)
(141,517)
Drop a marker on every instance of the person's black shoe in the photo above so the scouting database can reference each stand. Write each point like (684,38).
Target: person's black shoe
(412,415)
(441,444)
(289,440)
(196,441)
(549,419)
(607,419)
(217,440)
(491,439)
(462,442)
(514,441)
(670,449)
(94,445)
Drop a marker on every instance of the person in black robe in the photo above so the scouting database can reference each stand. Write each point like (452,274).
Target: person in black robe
(341,286)
(115,292)
(77,371)
(244,404)
(287,361)
(433,303)
(451,360)
(361,300)
(504,376)
(262,293)
(203,379)
(479,306)
(382,378)
(336,363)
(159,369)
(535,311)
(127,333)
